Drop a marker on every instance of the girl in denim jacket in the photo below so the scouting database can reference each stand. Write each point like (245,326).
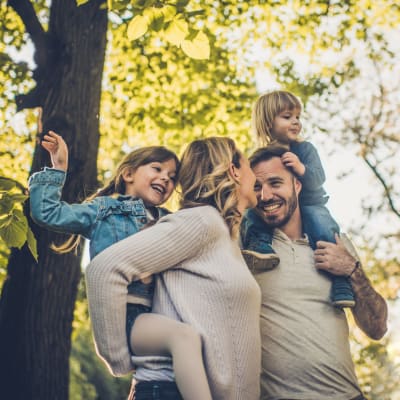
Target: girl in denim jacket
(144,180)
(276,120)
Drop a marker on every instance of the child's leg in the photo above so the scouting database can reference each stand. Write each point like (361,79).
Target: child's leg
(256,239)
(319,225)
(155,334)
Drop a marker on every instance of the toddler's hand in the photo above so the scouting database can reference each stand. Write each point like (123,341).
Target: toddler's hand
(57,149)
(290,160)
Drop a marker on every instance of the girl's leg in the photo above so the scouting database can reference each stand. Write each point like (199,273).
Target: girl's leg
(155,334)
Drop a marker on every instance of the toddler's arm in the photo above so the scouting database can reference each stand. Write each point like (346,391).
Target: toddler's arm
(57,149)
(314,175)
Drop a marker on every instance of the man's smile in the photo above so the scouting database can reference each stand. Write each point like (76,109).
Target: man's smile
(270,208)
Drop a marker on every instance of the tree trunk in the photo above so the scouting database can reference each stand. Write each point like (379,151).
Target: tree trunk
(37,301)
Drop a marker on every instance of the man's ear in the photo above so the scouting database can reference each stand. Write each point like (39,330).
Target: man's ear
(128,175)
(297,185)
(234,172)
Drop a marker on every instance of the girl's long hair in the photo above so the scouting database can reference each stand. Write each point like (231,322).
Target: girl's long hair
(132,161)
(205,179)
(266,108)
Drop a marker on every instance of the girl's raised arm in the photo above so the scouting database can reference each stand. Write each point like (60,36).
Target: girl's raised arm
(57,149)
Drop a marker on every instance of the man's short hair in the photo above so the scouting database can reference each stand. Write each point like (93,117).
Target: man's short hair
(266,153)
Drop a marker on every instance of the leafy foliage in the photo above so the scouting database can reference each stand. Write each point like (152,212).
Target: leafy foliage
(14,229)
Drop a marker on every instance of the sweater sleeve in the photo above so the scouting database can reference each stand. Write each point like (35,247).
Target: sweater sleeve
(48,210)
(174,239)
(314,176)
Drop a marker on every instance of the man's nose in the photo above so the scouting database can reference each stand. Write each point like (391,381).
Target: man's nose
(266,193)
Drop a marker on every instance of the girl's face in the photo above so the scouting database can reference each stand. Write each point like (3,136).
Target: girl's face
(286,126)
(246,181)
(153,182)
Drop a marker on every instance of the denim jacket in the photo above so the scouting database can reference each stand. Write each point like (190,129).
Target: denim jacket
(104,220)
(312,192)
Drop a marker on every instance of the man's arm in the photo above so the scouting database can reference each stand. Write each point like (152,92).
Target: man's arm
(370,311)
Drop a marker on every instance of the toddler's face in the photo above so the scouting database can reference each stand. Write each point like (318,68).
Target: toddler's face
(286,126)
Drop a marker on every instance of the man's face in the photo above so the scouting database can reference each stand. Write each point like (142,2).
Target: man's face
(277,192)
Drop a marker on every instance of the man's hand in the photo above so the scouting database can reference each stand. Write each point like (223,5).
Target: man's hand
(334,258)
(58,150)
(370,311)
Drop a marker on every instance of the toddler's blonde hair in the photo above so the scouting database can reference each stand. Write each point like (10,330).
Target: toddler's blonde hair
(266,108)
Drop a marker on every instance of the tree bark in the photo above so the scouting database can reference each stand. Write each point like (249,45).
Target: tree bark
(37,300)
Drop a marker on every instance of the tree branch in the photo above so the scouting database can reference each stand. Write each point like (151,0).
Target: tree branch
(25,10)
(385,186)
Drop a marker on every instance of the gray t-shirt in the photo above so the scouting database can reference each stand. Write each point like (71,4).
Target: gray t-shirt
(305,346)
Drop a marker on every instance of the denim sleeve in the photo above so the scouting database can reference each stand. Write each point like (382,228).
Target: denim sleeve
(314,177)
(48,210)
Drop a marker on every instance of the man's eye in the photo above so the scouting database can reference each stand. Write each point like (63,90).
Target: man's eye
(158,169)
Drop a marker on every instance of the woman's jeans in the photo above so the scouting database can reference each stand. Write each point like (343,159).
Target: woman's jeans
(157,390)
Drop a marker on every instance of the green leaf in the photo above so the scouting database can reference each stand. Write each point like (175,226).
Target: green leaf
(17,197)
(137,27)
(155,18)
(32,244)
(80,2)
(169,13)
(198,48)
(14,229)
(6,204)
(6,184)
(176,31)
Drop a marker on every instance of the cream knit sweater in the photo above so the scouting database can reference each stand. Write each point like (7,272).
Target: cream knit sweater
(204,283)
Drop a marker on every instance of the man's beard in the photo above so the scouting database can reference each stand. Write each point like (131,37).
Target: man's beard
(273,221)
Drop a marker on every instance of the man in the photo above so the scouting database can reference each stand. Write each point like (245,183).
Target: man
(305,346)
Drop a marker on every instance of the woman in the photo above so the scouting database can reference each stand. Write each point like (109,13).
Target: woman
(203,279)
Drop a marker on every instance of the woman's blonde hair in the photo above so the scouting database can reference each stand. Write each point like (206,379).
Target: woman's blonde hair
(116,185)
(266,108)
(205,178)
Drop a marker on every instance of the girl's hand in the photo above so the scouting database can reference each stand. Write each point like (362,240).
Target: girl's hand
(57,149)
(290,160)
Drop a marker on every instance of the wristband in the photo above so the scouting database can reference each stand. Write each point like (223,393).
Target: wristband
(356,266)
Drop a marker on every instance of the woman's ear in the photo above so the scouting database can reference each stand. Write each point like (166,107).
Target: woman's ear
(234,172)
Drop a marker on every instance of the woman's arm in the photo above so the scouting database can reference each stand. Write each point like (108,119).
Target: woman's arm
(174,239)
